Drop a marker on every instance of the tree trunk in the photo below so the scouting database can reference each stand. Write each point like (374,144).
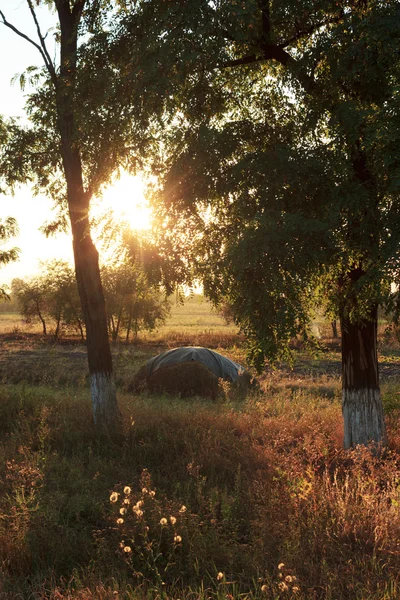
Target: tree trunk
(128,328)
(41,319)
(105,409)
(362,405)
(112,328)
(334,329)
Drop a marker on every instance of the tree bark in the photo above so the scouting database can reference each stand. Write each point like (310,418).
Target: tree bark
(334,329)
(41,319)
(362,407)
(105,409)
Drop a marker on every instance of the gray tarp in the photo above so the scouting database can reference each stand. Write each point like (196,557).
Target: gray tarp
(220,365)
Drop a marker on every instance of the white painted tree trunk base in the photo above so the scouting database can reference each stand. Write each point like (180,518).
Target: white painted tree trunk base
(363,418)
(104,399)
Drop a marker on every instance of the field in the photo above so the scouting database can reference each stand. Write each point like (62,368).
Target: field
(250,499)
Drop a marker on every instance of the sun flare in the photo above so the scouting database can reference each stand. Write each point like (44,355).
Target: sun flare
(125,198)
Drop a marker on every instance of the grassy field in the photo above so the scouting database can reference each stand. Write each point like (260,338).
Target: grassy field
(251,499)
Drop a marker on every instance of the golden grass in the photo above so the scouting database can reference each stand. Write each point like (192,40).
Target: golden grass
(275,509)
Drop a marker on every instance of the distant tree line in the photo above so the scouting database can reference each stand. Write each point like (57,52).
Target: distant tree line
(52,300)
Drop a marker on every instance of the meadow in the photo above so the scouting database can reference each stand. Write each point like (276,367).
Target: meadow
(192,499)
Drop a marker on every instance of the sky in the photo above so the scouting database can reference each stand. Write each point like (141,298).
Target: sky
(31,212)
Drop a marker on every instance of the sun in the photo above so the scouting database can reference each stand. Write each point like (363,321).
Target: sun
(125,198)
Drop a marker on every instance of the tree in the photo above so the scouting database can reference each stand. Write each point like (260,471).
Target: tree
(77,138)
(33,300)
(132,302)
(51,296)
(281,167)
(64,308)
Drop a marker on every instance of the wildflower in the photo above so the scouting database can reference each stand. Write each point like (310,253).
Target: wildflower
(172,520)
(127,549)
(177,539)
(294,578)
(127,490)
(138,513)
(264,589)
(120,521)
(295,589)
(127,501)
(289,578)
(138,504)
(145,491)
(182,509)
(280,566)
(163,521)
(152,493)
(282,586)
(114,497)
(123,511)
(220,576)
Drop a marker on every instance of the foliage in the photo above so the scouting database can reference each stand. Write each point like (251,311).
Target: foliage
(279,161)
(32,300)
(52,295)
(132,301)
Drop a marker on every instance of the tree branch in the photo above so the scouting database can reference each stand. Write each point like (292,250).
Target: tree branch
(28,39)
(277,53)
(48,62)
(78,8)
(266,22)
(309,30)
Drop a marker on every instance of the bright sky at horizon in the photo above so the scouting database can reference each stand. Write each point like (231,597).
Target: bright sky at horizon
(31,212)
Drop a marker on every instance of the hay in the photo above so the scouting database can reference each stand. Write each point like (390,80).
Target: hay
(185,379)
(191,379)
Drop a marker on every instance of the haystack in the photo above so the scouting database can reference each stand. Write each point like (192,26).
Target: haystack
(192,371)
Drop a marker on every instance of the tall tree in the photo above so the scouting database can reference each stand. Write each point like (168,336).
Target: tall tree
(73,145)
(282,166)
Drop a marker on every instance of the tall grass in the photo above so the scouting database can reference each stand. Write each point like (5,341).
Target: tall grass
(265,484)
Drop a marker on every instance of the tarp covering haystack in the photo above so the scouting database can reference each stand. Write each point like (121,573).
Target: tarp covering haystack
(191,371)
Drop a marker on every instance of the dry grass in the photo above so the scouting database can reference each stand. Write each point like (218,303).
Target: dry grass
(264,481)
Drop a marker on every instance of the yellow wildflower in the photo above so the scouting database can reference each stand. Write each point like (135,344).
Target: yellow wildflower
(145,491)
(120,521)
(127,549)
(152,493)
(123,511)
(114,497)
(127,490)
(280,566)
(220,576)
(282,586)
(177,539)
(295,589)
(163,521)
(172,520)
(182,509)
(264,589)
(289,578)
